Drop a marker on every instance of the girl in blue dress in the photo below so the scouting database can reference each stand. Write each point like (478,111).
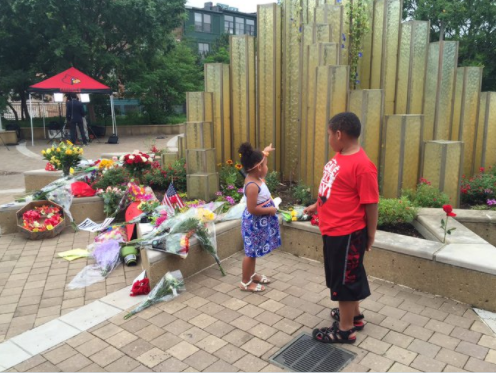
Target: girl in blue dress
(259,223)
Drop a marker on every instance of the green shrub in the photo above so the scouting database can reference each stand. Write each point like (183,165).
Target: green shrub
(478,189)
(230,176)
(159,178)
(396,211)
(301,193)
(426,195)
(272,181)
(112,177)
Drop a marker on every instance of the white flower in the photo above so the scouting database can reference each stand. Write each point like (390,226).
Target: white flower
(131,157)
(121,158)
(152,155)
(150,160)
(136,152)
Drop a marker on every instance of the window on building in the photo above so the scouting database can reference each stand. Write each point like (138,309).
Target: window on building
(240,26)
(198,22)
(203,48)
(207,23)
(229,25)
(250,27)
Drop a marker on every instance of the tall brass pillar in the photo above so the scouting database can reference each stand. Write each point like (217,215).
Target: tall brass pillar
(400,157)
(366,59)
(334,16)
(217,82)
(466,113)
(368,105)
(330,97)
(199,107)
(269,81)
(485,154)
(442,167)
(439,89)
(291,90)
(242,91)
(412,62)
(385,40)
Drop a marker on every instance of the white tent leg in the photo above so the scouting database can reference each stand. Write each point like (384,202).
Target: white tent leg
(31,117)
(44,113)
(1,127)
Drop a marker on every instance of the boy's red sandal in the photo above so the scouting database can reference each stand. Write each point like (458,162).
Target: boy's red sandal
(358,321)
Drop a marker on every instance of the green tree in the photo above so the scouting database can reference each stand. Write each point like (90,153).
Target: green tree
(39,38)
(219,52)
(166,82)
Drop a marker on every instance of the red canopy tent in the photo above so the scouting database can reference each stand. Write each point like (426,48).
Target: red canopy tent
(72,81)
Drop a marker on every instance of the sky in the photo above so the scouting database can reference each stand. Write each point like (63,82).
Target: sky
(247,6)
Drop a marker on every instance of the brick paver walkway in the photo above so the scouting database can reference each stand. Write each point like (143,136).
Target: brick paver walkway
(216,327)
(33,280)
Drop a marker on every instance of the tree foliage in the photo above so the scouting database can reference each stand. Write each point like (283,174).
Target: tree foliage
(106,39)
(219,52)
(471,22)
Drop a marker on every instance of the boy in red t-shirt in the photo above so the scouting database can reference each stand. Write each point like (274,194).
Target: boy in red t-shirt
(347,208)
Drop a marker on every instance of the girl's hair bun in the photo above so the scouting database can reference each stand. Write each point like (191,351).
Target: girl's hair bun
(245,150)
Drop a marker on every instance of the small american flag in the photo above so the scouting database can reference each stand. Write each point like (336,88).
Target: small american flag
(172,199)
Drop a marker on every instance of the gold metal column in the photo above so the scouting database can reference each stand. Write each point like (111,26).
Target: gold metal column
(485,154)
(291,90)
(269,93)
(444,167)
(385,40)
(368,105)
(366,59)
(400,157)
(199,107)
(412,63)
(320,54)
(242,49)
(198,135)
(466,113)
(331,94)
(439,89)
(334,16)
(217,82)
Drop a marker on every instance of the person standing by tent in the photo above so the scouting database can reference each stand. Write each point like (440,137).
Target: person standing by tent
(74,115)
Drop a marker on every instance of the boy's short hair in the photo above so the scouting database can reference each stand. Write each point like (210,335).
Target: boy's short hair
(346,122)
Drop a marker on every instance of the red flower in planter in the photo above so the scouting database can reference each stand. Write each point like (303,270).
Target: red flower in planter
(448,209)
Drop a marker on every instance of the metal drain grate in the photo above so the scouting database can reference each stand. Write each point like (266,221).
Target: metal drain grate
(304,354)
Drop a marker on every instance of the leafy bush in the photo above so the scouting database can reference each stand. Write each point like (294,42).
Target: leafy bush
(272,181)
(396,211)
(483,207)
(229,175)
(479,189)
(426,195)
(112,177)
(159,178)
(301,193)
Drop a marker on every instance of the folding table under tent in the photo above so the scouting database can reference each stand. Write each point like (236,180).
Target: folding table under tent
(71,81)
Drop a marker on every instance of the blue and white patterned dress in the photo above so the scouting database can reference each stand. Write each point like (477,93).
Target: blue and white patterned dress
(260,232)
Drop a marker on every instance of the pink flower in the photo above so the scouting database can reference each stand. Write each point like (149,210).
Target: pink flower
(160,220)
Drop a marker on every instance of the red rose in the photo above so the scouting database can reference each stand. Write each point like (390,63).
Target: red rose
(140,287)
(448,209)
(129,161)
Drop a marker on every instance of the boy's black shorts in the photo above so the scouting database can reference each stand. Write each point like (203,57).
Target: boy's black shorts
(344,270)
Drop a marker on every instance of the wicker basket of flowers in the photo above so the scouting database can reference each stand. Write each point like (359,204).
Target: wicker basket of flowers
(40,219)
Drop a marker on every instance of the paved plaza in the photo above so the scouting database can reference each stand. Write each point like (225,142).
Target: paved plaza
(215,327)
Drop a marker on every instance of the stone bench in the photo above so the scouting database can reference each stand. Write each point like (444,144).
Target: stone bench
(82,208)
(37,179)
(463,269)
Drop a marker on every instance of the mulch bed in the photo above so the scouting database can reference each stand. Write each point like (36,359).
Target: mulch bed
(404,229)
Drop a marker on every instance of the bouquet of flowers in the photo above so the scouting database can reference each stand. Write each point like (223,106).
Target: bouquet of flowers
(112,197)
(107,256)
(104,164)
(42,218)
(169,287)
(137,162)
(295,214)
(177,244)
(63,156)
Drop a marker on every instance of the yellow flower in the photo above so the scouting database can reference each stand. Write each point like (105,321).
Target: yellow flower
(68,152)
(58,150)
(239,155)
(71,170)
(35,229)
(69,143)
(239,167)
(43,152)
(294,218)
(293,213)
(49,227)
(48,151)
